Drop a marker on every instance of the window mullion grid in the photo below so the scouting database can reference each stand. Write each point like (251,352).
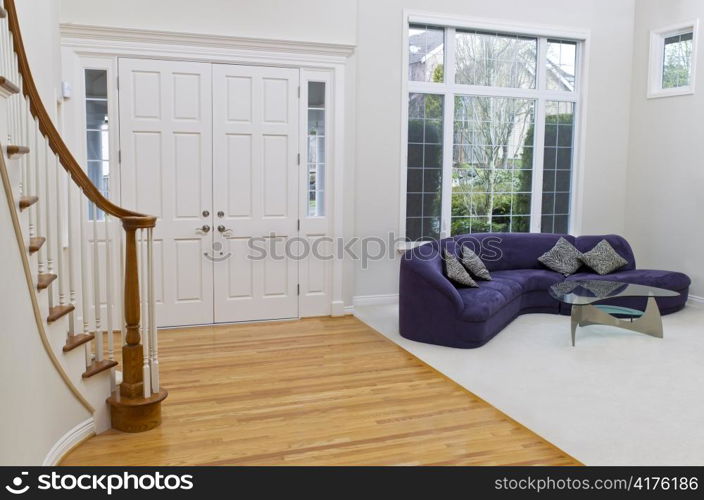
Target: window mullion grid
(572,222)
(449,56)
(448,134)
(539,140)
(536,202)
(447,153)
(477,90)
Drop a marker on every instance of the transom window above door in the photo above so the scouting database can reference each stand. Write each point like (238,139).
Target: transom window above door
(490,136)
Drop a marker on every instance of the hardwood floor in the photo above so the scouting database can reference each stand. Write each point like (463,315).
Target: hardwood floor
(322,391)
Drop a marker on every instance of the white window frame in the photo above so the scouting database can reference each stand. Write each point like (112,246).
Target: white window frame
(655,60)
(448,89)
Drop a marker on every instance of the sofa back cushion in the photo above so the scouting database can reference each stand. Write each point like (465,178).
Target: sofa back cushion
(619,243)
(502,251)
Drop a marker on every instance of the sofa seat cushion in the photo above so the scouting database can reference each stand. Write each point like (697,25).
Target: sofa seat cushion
(531,279)
(489,298)
(669,280)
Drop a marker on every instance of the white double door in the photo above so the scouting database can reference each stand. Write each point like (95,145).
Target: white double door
(211,150)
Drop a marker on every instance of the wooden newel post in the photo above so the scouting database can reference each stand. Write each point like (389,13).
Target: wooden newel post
(130,410)
(132,352)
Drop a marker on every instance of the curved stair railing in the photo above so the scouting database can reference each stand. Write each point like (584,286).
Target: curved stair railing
(79,255)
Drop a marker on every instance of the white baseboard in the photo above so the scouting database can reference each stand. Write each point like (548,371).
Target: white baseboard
(68,441)
(374,300)
(338,308)
(694,300)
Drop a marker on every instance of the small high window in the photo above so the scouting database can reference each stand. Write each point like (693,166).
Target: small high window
(672,60)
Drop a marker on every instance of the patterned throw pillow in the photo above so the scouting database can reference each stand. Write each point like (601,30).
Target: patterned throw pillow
(565,287)
(474,264)
(602,288)
(562,258)
(456,272)
(603,258)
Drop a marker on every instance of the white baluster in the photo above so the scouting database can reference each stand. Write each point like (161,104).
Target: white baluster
(24,113)
(85,308)
(7,48)
(38,190)
(14,60)
(22,121)
(108,300)
(14,104)
(12,128)
(151,306)
(121,303)
(49,232)
(10,119)
(3,47)
(146,377)
(70,187)
(29,173)
(9,52)
(60,281)
(96,289)
(6,55)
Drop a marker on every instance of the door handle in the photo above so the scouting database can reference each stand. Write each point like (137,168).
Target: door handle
(224,231)
(204,229)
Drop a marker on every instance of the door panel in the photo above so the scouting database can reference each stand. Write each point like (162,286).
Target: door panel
(255,185)
(166,146)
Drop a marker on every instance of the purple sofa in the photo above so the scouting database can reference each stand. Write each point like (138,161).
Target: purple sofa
(435,311)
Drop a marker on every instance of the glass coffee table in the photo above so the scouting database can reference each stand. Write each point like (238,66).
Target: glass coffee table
(583,295)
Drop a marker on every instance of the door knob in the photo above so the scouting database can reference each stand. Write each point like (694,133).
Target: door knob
(205,213)
(205,229)
(221,213)
(225,231)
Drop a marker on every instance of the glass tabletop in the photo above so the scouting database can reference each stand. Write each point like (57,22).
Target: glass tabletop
(589,291)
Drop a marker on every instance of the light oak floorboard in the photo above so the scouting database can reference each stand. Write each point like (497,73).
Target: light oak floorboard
(320,391)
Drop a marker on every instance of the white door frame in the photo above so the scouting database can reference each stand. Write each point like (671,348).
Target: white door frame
(80,43)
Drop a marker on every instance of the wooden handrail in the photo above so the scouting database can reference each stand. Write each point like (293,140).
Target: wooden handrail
(56,142)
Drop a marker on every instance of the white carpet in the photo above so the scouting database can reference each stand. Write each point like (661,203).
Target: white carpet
(617,398)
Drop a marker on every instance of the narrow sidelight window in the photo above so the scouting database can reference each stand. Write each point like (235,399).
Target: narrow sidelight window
(557,167)
(316,149)
(97,135)
(424,179)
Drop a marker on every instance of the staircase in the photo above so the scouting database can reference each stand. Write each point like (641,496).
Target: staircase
(89,262)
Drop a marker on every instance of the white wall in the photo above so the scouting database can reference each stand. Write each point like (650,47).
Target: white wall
(300,20)
(379,57)
(37,407)
(40,33)
(665,175)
